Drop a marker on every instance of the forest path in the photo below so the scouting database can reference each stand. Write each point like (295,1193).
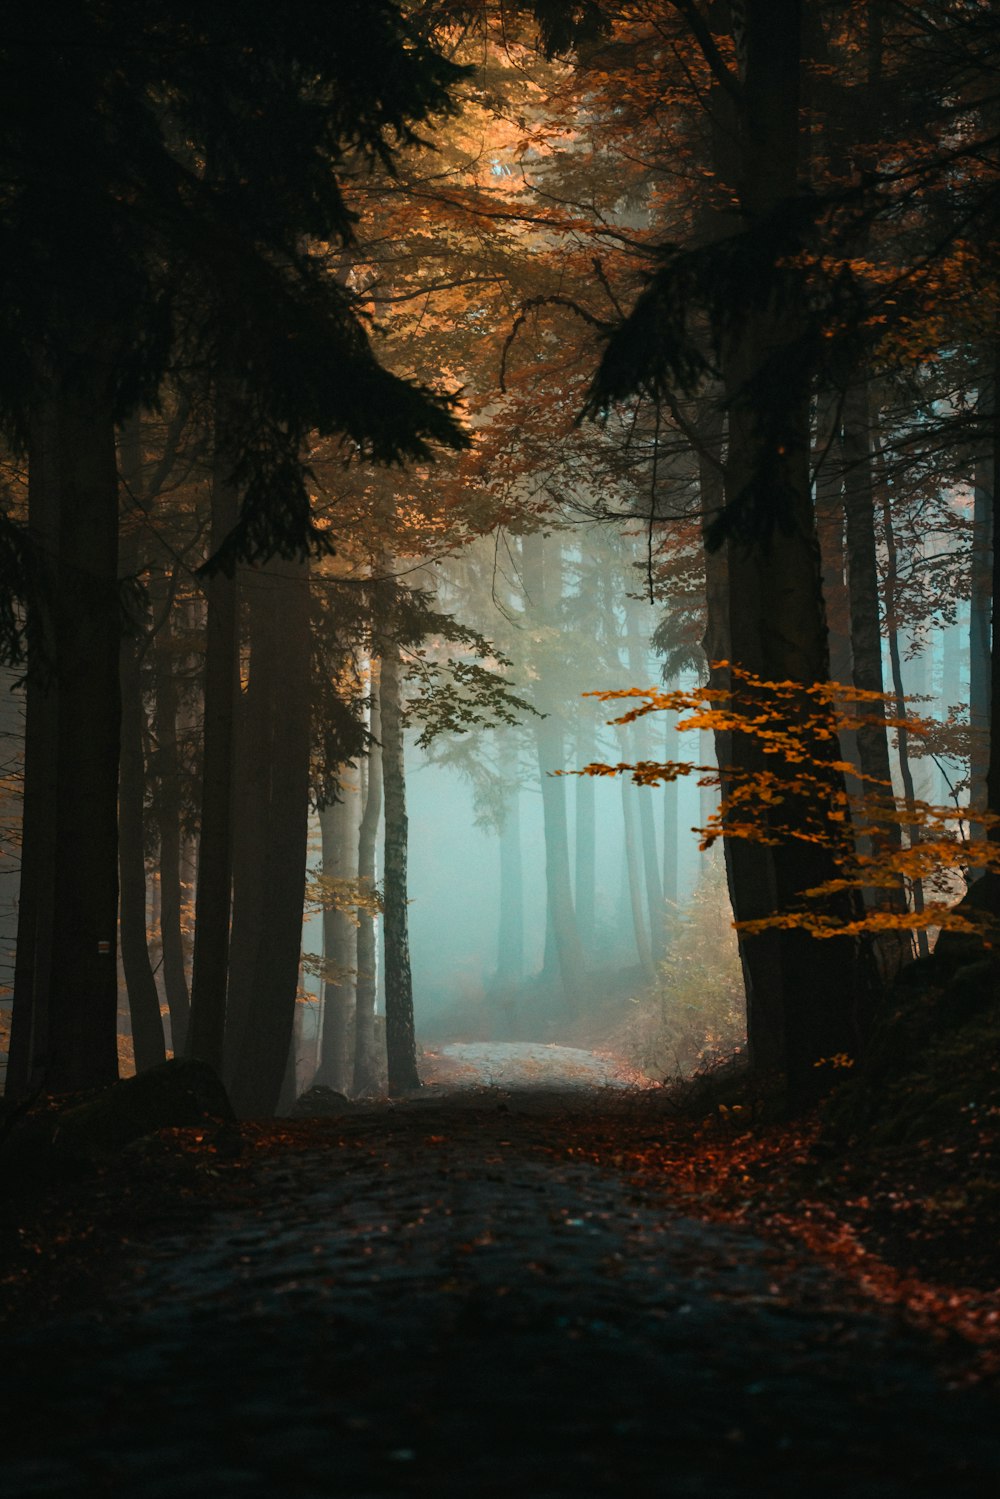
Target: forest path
(436,1298)
(525,1064)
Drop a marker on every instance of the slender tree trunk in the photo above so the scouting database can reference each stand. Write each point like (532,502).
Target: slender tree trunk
(284,643)
(400,1038)
(896,667)
(585,843)
(366,1060)
(168,828)
(635,886)
(340,831)
(83,996)
(510,930)
(671,847)
(863,589)
(979,611)
(143,997)
(643,798)
(206,1032)
(550,751)
(28,1058)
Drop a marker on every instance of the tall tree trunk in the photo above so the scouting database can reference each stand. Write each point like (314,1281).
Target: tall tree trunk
(206,1031)
(28,1056)
(777,622)
(281,644)
(83,996)
(866,637)
(643,800)
(671,847)
(339,830)
(366,1060)
(896,667)
(635,884)
(143,997)
(401,1053)
(168,828)
(585,831)
(550,752)
(510,927)
(979,615)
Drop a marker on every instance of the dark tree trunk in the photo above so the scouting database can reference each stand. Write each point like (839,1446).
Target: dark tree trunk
(830,531)
(366,1060)
(168,828)
(776,616)
(863,587)
(143,997)
(206,1032)
(280,658)
(979,615)
(896,667)
(83,993)
(400,1039)
(28,1057)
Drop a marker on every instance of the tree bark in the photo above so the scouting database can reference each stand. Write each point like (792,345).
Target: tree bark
(366,1060)
(340,834)
(550,753)
(979,615)
(281,644)
(28,1056)
(206,1032)
(143,997)
(83,981)
(168,828)
(400,1037)
(776,615)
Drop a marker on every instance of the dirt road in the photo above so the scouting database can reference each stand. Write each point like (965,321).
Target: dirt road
(434,1298)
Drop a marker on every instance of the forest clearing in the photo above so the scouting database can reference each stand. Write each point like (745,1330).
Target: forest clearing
(500,747)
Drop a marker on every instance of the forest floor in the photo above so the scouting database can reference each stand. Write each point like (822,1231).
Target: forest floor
(489,1290)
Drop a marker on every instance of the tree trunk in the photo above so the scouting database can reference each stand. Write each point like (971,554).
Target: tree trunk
(979,615)
(28,1058)
(510,928)
(550,751)
(366,1060)
(585,849)
(863,590)
(281,645)
(635,888)
(776,616)
(340,833)
(83,994)
(671,846)
(168,827)
(143,997)
(206,1031)
(896,667)
(400,1038)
